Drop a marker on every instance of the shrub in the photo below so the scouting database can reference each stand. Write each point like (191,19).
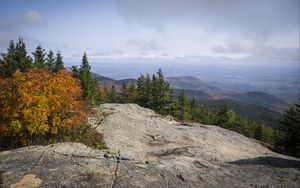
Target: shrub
(37,104)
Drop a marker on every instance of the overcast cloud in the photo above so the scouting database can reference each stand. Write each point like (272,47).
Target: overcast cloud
(185,30)
(247,27)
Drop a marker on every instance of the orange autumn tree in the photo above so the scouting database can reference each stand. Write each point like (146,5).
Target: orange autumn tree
(38,103)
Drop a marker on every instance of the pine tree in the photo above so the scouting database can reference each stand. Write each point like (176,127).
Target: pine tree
(15,58)
(258,132)
(194,110)
(148,89)
(144,90)
(39,57)
(132,93)
(75,71)
(124,91)
(111,94)
(88,82)
(161,94)
(182,108)
(289,131)
(226,115)
(141,87)
(24,61)
(102,92)
(50,61)
(59,64)
(8,64)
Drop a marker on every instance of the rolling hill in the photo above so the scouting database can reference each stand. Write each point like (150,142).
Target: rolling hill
(260,98)
(256,106)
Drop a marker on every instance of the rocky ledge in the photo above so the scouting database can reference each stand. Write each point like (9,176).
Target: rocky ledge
(148,150)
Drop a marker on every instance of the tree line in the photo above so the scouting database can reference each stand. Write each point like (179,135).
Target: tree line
(41,101)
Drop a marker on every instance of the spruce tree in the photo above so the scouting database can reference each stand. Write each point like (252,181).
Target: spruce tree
(161,94)
(39,57)
(182,108)
(24,61)
(258,131)
(132,93)
(75,71)
(15,58)
(141,87)
(8,64)
(111,94)
(59,64)
(194,109)
(226,115)
(50,61)
(148,91)
(289,131)
(88,82)
(124,90)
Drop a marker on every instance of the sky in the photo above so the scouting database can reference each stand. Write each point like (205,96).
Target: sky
(185,31)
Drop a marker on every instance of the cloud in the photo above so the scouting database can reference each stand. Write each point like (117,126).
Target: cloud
(30,18)
(144,45)
(33,18)
(258,18)
(113,54)
(259,50)
(265,29)
(12,26)
(8,24)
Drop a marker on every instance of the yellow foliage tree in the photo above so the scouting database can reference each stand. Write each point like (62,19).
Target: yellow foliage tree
(38,103)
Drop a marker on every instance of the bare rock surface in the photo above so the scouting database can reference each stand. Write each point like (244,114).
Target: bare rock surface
(148,150)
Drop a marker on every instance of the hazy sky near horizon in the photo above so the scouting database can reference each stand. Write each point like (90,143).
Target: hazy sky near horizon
(172,30)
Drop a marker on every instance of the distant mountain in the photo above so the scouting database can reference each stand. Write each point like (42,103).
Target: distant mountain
(257,106)
(126,81)
(190,94)
(258,98)
(192,83)
(103,79)
(250,111)
(262,99)
(108,82)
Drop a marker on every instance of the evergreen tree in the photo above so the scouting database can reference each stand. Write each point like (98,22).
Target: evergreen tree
(59,64)
(141,87)
(258,132)
(161,94)
(144,89)
(24,61)
(15,58)
(226,115)
(289,131)
(132,93)
(194,109)
(50,61)
(75,71)
(111,94)
(124,90)
(8,64)
(102,92)
(182,108)
(39,57)
(88,82)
